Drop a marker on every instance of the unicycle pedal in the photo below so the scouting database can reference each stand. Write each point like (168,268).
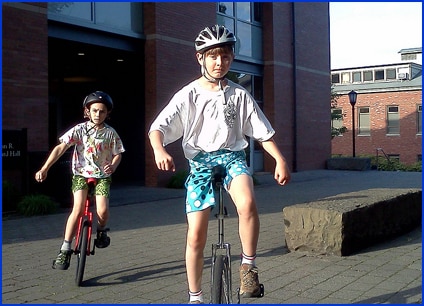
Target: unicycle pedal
(261,293)
(262,288)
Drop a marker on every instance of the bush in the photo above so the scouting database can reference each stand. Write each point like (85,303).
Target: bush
(10,196)
(32,205)
(178,179)
(383,164)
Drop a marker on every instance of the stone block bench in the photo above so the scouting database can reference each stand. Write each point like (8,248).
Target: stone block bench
(346,223)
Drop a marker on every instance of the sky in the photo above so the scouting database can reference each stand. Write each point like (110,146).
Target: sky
(372,33)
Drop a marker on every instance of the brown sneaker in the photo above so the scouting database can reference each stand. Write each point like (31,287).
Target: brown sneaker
(249,282)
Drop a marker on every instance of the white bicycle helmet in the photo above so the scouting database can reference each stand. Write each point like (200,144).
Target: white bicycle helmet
(213,36)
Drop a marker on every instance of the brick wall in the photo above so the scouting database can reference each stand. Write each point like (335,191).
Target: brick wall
(25,80)
(407,144)
(170,64)
(25,71)
(296,84)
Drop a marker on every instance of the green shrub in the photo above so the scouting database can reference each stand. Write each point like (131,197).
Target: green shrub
(178,179)
(32,205)
(10,196)
(416,167)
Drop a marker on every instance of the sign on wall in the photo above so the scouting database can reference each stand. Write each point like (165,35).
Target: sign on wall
(14,149)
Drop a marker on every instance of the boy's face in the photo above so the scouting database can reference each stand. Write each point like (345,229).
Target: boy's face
(98,113)
(217,61)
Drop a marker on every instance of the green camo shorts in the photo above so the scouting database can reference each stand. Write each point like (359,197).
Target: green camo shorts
(102,186)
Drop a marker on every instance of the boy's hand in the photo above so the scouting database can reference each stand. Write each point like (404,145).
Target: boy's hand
(109,169)
(40,176)
(282,173)
(164,161)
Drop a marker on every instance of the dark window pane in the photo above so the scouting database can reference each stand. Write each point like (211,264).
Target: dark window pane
(335,78)
(379,75)
(257,11)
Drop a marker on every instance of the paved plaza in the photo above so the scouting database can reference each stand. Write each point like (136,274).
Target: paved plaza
(145,262)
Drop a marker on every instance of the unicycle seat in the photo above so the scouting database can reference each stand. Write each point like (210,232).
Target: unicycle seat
(218,175)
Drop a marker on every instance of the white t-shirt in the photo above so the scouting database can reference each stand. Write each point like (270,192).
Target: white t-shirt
(199,116)
(93,148)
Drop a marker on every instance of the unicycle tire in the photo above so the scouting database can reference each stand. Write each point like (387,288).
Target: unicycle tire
(82,255)
(219,294)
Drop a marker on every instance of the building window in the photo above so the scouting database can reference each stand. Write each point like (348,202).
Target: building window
(335,78)
(408,57)
(394,157)
(77,10)
(117,17)
(364,121)
(419,119)
(337,118)
(356,76)
(393,120)
(419,157)
(244,19)
(391,74)
(345,77)
(379,75)
(368,76)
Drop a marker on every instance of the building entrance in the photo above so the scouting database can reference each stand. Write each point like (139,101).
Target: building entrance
(77,69)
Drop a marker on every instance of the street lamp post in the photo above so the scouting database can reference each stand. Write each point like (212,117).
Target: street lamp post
(352,100)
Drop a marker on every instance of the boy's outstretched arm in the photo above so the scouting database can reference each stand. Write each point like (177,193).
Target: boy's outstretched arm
(282,171)
(56,153)
(163,160)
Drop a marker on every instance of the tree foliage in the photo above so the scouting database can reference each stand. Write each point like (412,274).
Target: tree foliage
(336,131)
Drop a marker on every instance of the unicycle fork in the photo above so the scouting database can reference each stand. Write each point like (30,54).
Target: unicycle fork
(83,234)
(221,286)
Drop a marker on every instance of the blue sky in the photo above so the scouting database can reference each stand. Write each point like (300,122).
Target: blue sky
(372,33)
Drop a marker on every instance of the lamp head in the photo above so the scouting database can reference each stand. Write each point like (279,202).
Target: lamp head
(352,97)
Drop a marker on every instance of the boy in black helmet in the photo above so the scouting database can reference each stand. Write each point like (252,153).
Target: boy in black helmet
(214,116)
(97,154)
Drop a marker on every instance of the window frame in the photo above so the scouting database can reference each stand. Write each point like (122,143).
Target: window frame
(252,27)
(364,121)
(392,129)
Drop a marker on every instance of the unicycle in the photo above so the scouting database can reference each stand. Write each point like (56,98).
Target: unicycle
(221,284)
(83,235)
(221,292)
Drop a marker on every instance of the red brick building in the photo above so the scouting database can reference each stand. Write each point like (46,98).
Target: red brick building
(141,53)
(388,111)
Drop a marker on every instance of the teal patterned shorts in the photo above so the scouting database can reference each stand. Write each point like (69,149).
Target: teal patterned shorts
(200,193)
(102,187)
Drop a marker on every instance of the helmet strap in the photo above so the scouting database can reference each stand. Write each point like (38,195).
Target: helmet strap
(88,115)
(207,75)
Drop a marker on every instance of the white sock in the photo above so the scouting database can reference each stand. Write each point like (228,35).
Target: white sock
(196,296)
(66,246)
(250,260)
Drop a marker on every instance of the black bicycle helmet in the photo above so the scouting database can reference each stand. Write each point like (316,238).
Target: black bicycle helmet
(98,97)
(213,36)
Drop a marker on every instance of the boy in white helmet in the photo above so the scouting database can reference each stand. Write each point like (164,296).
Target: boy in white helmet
(97,154)
(214,117)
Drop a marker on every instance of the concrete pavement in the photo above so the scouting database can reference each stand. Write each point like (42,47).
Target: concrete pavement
(145,261)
